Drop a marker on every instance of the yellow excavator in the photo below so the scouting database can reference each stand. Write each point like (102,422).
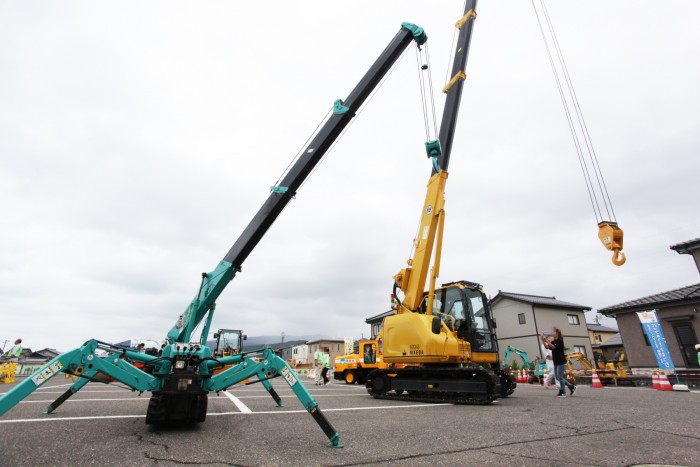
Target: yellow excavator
(446,334)
(609,373)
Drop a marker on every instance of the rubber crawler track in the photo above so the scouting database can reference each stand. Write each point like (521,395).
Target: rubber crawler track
(379,385)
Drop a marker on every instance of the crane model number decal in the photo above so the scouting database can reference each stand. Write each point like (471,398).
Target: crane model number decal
(415,350)
(289,376)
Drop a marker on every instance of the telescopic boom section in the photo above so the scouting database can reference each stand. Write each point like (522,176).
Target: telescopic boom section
(213,283)
(454,88)
(411,280)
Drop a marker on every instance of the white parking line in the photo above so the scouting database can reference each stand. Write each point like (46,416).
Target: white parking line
(267,412)
(237,402)
(88,400)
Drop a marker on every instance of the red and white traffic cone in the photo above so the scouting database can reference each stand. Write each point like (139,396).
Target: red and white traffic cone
(655,380)
(664,385)
(545,378)
(595,381)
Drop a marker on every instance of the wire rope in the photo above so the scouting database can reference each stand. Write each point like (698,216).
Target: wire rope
(357,114)
(579,151)
(582,122)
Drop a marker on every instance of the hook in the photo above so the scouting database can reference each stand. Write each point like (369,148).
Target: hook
(618,258)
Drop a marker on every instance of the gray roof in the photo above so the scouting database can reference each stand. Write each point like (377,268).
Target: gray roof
(379,317)
(690,293)
(599,328)
(686,247)
(539,300)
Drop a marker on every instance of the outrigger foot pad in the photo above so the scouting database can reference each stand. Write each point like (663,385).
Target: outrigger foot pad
(327,428)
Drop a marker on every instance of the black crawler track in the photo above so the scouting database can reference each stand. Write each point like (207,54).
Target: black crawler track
(467,386)
(508,383)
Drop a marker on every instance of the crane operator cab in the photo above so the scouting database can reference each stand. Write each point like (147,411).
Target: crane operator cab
(228,342)
(464,309)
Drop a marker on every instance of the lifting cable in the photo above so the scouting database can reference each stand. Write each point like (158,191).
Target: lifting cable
(610,234)
(342,133)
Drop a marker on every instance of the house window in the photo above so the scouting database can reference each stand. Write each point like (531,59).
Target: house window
(521,318)
(573,319)
(597,337)
(580,349)
(646,339)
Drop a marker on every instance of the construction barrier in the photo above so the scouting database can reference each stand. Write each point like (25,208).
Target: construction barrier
(655,380)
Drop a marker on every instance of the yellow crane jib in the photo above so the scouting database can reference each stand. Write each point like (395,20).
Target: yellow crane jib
(611,237)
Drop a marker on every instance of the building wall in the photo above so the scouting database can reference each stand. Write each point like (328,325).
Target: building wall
(300,354)
(506,312)
(641,355)
(331,346)
(525,336)
(599,337)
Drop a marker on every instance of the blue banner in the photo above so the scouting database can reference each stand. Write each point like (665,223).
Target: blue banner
(652,329)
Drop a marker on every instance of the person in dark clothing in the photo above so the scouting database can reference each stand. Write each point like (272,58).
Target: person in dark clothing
(324,375)
(559,359)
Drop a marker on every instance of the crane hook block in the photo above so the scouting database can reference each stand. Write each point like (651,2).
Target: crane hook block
(611,237)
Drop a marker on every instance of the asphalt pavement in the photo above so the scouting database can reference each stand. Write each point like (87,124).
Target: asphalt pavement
(105,425)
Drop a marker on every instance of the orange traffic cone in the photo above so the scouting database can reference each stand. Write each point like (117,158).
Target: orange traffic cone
(595,381)
(664,385)
(655,380)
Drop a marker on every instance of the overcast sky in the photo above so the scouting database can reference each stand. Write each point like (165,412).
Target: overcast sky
(138,139)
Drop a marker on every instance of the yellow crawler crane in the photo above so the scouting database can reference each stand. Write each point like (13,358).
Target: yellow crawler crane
(447,334)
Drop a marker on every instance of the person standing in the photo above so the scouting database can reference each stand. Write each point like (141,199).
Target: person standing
(324,375)
(14,353)
(550,379)
(557,347)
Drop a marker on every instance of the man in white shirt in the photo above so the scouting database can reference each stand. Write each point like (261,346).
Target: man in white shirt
(550,367)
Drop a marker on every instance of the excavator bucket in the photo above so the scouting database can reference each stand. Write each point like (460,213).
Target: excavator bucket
(611,237)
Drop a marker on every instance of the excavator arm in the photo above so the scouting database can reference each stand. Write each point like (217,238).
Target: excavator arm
(520,353)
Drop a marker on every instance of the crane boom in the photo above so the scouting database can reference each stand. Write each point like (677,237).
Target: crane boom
(412,279)
(213,283)
(454,92)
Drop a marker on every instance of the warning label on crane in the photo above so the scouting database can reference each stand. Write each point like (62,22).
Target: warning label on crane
(43,376)
(288,376)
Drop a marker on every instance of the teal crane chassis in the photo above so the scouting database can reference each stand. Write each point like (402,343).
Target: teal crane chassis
(183,374)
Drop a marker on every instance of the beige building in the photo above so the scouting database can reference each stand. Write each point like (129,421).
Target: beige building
(521,319)
(599,334)
(333,347)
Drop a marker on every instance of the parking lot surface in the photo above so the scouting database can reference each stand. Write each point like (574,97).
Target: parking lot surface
(105,425)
